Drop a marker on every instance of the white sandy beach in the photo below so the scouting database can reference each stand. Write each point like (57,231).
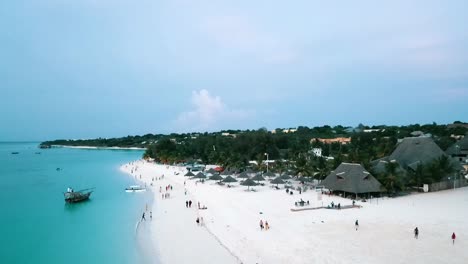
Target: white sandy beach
(231,233)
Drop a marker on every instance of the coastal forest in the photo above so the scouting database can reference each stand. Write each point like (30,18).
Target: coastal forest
(290,149)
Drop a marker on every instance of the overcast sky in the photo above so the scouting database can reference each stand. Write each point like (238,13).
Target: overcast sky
(106,68)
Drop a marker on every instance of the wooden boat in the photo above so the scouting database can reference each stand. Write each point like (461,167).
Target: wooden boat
(135,188)
(78,196)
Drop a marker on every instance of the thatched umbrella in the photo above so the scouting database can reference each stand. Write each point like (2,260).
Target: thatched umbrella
(216,177)
(243,175)
(227,172)
(249,171)
(189,174)
(305,179)
(277,181)
(258,177)
(269,174)
(285,177)
(212,171)
(229,179)
(200,175)
(248,183)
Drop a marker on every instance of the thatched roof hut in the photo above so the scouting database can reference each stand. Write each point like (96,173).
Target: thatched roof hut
(351,178)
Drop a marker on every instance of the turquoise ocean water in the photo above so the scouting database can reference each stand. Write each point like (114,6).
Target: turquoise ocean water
(36,226)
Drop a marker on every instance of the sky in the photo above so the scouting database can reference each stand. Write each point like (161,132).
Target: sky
(112,68)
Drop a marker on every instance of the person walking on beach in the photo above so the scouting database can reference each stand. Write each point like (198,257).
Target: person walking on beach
(143,217)
(416,233)
(453,238)
(261,224)
(151,215)
(186,204)
(190,204)
(267,226)
(356,224)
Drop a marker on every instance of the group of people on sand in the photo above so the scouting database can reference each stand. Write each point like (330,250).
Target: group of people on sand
(416,235)
(338,206)
(265,225)
(167,194)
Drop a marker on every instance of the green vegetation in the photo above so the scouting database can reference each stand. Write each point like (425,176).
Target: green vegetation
(291,151)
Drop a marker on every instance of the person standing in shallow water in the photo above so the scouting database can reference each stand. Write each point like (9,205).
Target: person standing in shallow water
(416,233)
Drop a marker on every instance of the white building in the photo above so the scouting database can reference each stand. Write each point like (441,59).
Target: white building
(317,152)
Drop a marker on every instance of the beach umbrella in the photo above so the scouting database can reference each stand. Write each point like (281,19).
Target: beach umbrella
(269,174)
(243,175)
(212,171)
(258,177)
(277,181)
(216,177)
(305,179)
(189,174)
(248,183)
(200,175)
(226,172)
(229,179)
(285,177)
(249,170)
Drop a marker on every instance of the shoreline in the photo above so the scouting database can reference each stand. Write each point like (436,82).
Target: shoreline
(97,148)
(169,219)
(231,232)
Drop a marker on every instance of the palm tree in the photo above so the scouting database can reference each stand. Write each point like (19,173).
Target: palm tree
(303,167)
(392,178)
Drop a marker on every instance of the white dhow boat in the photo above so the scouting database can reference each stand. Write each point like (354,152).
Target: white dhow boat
(135,188)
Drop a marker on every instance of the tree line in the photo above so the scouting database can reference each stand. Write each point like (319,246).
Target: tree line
(290,150)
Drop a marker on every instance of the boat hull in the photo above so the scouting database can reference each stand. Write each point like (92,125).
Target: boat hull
(139,190)
(76,197)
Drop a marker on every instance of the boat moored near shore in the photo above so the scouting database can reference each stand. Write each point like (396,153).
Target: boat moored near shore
(135,188)
(74,197)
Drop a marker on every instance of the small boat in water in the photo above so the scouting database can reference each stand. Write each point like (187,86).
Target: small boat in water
(15,153)
(74,197)
(135,188)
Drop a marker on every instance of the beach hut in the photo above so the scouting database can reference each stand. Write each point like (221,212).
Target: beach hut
(248,183)
(189,174)
(352,178)
(277,181)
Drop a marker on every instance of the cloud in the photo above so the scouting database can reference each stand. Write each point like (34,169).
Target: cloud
(239,34)
(209,113)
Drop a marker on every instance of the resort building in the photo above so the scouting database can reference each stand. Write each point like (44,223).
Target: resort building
(352,178)
(459,151)
(317,152)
